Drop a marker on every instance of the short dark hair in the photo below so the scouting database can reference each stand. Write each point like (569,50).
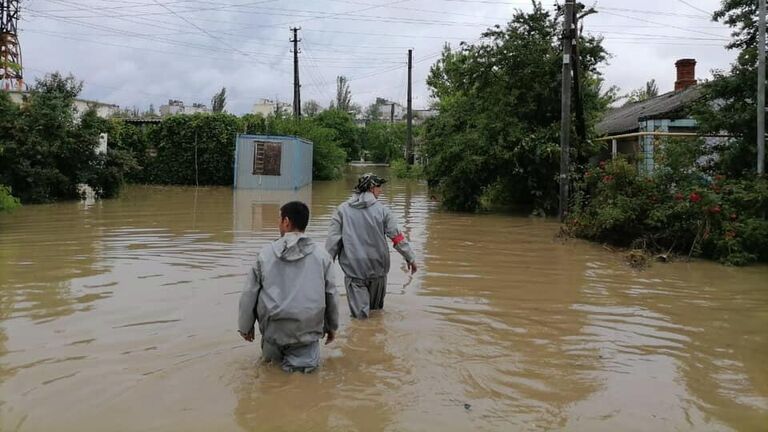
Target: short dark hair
(297,212)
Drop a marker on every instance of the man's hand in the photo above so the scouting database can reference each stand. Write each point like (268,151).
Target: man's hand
(330,336)
(412,267)
(247,336)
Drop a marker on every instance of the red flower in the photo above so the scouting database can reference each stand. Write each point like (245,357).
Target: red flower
(679,196)
(694,197)
(733,216)
(608,178)
(730,234)
(714,209)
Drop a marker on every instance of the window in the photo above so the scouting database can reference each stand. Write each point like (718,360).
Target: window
(266,158)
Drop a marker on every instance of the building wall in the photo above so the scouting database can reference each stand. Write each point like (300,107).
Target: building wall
(295,163)
(80,105)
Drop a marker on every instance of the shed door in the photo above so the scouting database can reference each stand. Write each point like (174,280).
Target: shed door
(267,156)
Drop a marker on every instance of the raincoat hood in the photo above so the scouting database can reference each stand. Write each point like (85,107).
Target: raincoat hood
(362,200)
(293,246)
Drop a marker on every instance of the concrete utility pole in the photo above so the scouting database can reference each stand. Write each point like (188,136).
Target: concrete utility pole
(565,108)
(392,113)
(409,129)
(296,84)
(761,91)
(581,123)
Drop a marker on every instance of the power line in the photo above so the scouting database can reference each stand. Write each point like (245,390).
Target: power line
(709,14)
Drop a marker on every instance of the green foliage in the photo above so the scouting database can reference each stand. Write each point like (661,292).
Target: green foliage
(382,142)
(7,201)
(651,90)
(402,170)
(728,103)
(499,114)
(47,150)
(683,207)
(343,100)
(344,126)
(192,149)
(219,101)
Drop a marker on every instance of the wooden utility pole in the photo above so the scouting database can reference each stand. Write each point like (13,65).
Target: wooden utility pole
(296,83)
(409,129)
(761,91)
(565,108)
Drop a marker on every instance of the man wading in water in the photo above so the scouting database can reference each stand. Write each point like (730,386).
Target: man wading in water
(290,291)
(358,236)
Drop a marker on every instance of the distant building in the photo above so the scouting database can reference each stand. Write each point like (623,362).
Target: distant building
(177,107)
(421,115)
(266,107)
(390,110)
(103,110)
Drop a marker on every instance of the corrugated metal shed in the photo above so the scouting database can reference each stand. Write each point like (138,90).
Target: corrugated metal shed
(627,118)
(270,162)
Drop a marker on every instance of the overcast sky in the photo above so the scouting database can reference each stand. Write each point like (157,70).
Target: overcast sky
(137,52)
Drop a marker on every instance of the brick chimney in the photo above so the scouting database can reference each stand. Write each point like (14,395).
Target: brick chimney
(686,74)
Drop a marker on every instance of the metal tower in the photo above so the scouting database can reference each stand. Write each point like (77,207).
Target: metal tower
(11,77)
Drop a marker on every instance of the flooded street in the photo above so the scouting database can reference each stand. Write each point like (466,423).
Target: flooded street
(121,315)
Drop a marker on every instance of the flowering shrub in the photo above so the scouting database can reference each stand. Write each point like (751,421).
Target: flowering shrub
(679,208)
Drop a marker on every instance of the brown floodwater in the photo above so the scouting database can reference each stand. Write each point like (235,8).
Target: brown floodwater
(120,315)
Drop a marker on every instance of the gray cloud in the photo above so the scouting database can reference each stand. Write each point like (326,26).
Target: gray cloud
(137,52)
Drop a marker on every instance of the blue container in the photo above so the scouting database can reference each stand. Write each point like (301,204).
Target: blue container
(271,162)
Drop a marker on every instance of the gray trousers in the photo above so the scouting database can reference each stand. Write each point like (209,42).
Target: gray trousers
(292,358)
(365,295)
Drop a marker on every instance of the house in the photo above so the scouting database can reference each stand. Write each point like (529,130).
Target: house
(103,110)
(390,110)
(266,107)
(272,162)
(632,129)
(175,107)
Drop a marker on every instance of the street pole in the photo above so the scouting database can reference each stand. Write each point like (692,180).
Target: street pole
(565,108)
(296,83)
(409,128)
(761,91)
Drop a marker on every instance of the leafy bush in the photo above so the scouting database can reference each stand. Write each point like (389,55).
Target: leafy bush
(7,201)
(681,207)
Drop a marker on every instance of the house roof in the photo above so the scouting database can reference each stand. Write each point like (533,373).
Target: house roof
(626,118)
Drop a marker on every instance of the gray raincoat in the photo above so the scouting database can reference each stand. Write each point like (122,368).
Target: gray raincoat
(290,291)
(358,235)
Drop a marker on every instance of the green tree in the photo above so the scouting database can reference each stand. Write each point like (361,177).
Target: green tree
(497,132)
(346,131)
(311,108)
(49,151)
(343,95)
(219,101)
(729,100)
(651,90)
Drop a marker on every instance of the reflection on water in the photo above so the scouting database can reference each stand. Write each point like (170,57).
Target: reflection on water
(121,315)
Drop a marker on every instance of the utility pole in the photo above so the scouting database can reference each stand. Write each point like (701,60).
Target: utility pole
(296,84)
(565,108)
(761,91)
(409,128)
(392,113)
(11,72)
(581,123)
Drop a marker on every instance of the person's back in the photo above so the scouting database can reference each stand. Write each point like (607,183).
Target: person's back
(365,252)
(290,293)
(358,235)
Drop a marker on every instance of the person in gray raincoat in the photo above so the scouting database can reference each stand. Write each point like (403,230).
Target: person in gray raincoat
(291,292)
(358,236)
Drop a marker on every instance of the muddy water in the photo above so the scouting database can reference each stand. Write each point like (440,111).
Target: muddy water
(120,315)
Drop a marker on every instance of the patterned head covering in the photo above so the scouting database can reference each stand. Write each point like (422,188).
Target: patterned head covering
(368,181)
